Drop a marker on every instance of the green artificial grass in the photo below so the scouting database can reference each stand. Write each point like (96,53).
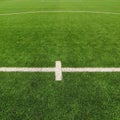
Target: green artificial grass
(79,96)
(76,39)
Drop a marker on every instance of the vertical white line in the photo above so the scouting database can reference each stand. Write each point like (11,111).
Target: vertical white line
(58,71)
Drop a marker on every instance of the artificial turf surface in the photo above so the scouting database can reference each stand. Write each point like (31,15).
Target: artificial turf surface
(78,40)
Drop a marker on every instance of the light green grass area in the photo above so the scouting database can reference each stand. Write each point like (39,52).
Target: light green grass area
(78,40)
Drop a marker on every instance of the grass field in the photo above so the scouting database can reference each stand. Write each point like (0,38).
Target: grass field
(76,39)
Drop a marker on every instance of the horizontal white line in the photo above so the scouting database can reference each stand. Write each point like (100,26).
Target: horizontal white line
(25,69)
(71,11)
(58,69)
(90,69)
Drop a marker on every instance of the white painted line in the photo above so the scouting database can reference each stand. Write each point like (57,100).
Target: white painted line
(90,69)
(58,71)
(25,69)
(69,11)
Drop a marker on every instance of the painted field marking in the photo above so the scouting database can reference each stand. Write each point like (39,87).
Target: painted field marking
(59,11)
(58,70)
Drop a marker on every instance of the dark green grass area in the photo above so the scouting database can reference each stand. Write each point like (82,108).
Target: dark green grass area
(79,96)
(76,39)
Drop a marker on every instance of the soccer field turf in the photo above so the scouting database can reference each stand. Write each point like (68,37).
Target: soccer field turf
(78,39)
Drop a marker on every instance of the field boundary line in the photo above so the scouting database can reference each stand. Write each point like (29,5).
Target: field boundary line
(71,11)
(58,69)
